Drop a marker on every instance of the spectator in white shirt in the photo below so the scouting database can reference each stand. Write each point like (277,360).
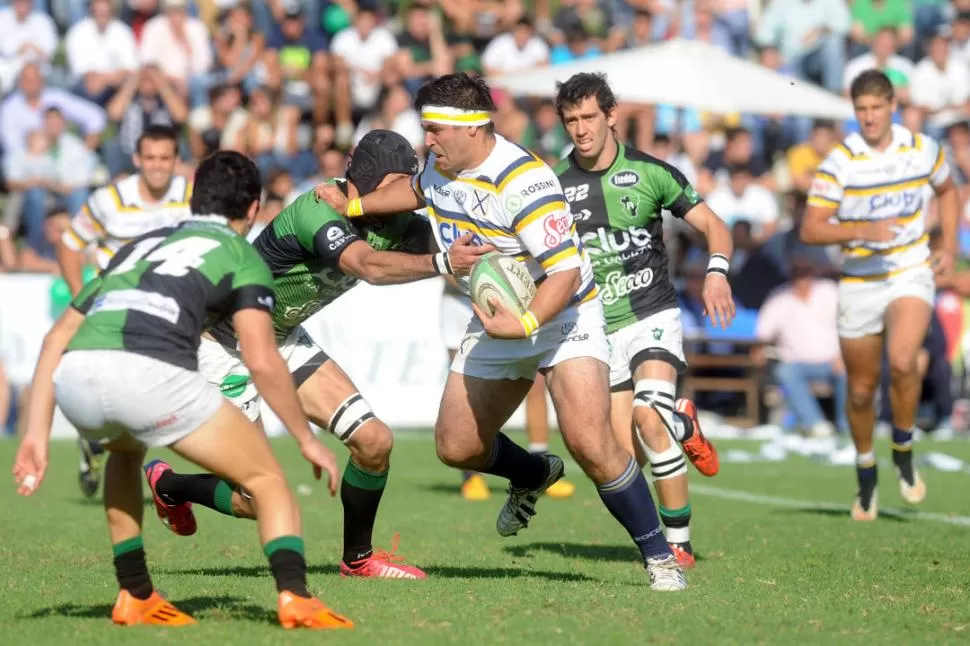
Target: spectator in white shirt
(26,36)
(519,49)
(394,112)
(742,199)
(101,51)
(883,57)
(941,85)
(180,46)
(361,51)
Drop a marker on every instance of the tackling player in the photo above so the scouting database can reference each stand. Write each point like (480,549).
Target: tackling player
(151,199)
(871,195)
(617,195)
(316,255)
(478,183)
(129,379)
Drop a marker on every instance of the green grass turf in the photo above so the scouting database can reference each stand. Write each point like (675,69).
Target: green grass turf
(767,574)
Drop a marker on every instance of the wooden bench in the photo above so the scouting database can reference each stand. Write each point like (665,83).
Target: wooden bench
(748,382)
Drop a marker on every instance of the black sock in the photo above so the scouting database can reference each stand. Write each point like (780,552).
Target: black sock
(903,454)
(285,554)
(628,499)
(360,494)
(130,568)
(868,478)
(201,489)
(522,469)
(688,426)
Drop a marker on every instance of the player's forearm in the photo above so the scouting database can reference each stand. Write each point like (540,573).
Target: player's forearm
(949,200)
(714,230)
(272,379)
(394,268)
(554,294)
(817,230)
(396,197)
(40,408)
(71,263)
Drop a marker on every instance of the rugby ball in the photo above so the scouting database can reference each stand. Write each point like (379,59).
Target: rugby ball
(503,278)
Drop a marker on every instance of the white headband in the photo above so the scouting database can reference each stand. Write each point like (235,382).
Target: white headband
(454,116)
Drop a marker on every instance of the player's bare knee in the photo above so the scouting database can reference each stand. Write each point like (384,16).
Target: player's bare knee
(903,365)
(371,446)
(861,395)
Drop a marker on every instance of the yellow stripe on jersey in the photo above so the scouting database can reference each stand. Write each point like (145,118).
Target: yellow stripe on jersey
(466,224)
(98,227)
(538,213)
(485,186)
(828,177)
(849,153)
(940,159)
(824,202)
(78,240)
(119,205)
(863,252)
(876,189)
(559,257)
(187,194)
(524,167)
(883,276)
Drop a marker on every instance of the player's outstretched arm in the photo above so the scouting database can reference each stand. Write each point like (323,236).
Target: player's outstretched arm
(360,260)
(272,379)
(397,197)
(31,461)
(718,299)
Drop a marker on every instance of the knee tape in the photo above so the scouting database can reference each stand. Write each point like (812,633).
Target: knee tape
(350,415)
(659,395)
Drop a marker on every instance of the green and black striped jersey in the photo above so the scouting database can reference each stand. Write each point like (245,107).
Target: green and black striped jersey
(617,212)
(162,289)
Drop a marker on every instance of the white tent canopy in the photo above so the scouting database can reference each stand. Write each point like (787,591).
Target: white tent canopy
(690,74)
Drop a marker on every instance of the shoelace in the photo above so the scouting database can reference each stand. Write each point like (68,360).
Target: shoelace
(392,556)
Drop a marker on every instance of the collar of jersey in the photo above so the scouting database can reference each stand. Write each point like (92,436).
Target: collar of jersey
(211,217)
(599,173)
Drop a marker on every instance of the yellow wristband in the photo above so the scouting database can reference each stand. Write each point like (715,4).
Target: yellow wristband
(529,322)
(355,208)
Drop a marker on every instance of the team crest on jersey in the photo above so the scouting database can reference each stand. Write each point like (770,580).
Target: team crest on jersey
(658,333)
(691,195)
(481,203)
(631,205)
(624,178)
(513,204)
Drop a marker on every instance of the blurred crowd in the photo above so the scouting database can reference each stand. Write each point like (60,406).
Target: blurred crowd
(295,83)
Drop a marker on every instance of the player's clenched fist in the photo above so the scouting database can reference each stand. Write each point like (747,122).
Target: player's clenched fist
(463,254)
(332,195)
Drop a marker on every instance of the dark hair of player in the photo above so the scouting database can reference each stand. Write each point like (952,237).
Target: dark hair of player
(226,184)
(158,132)
(872,83)
(457,91)
(582,86)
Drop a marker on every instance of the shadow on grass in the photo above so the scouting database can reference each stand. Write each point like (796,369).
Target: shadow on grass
(231,607)
(442,572)
(442,488)
(615,553)
(898,516)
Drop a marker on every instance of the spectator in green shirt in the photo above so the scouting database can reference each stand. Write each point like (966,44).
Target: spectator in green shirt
(869,16)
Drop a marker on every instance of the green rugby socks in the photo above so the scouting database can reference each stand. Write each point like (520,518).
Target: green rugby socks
(360,494)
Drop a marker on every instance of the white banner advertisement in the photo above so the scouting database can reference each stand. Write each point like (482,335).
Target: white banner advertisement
(388,339)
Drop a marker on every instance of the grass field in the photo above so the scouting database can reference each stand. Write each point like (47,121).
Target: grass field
(779,563)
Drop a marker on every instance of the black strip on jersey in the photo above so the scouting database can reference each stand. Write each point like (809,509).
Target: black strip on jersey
(331,240)
(304,372)
(252,296)
(657,354)
(418,237)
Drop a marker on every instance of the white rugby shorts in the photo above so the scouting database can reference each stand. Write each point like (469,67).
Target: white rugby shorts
(863,305)
(105,393)
(660,336)
(578,331)
(224,368)
(456,313)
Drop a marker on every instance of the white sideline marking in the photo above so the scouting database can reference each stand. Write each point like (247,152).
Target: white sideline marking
(791,503)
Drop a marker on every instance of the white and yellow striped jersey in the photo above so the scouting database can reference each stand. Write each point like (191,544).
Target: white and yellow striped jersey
(116,213)
(513,201)
(863,184)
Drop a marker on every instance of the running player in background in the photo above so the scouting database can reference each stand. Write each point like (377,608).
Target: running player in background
(480,184)
(150,199)
(316,255)
(618,194)
(871,196)
(129,379)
